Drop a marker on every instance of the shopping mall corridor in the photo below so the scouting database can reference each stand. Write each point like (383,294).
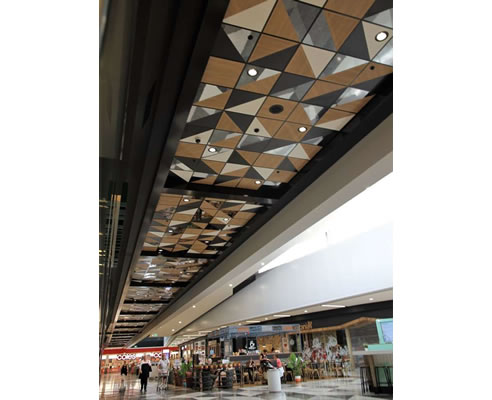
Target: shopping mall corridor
(328,389)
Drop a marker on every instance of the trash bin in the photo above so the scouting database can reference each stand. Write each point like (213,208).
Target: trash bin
(273,376)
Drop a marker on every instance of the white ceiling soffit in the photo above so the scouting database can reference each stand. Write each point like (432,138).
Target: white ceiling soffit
(366,163)
(192,330)
(359,265)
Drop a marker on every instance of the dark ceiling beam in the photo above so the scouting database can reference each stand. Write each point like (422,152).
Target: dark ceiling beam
(130,301)
(132,321)
(159,284)
(180,254)
(138,312)
(129,326)
(265,197)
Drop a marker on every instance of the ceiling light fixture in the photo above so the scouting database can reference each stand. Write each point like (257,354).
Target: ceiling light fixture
(186,200)
(252,72)
(226,219)
(332,305)
(252,322)
(258,182)
(381,36)
(179,322)
(230,284)
(281,315)
(302,129)
(194,306)
(262,264)
(170,231)
(266,318)
(212,149)
(371,299)
(305,311)
(239,324)
(172,330)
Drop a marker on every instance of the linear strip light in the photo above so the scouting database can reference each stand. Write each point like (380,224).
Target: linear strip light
(332,305)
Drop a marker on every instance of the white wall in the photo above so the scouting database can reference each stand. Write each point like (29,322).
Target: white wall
(362,264)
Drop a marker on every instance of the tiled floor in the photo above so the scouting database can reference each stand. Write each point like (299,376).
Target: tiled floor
(328,389)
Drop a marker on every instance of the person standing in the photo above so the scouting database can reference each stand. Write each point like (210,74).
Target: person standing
(145,370)
(163,369)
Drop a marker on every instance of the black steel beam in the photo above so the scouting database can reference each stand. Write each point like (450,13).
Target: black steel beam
(178,254)
(138,312)
(131,321)
(129,327)
(130,301)
(265,196)
(158,284)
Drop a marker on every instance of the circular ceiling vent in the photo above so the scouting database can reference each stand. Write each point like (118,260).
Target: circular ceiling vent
(276,109)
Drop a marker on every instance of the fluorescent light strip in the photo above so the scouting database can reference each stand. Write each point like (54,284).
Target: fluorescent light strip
(281,315)
(253,322)
(332,305)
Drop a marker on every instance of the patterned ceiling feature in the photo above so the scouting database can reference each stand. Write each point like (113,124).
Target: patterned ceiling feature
(141,307)
(183,225)
(188,225)
(166,269)
(149,293)
(283,78)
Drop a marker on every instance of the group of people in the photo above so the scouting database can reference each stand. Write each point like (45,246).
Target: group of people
(144,370)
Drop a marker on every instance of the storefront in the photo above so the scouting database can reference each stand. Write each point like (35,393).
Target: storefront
(239,343)
(113,359)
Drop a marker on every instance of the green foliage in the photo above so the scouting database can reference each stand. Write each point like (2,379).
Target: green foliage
(296,364)
(185,367)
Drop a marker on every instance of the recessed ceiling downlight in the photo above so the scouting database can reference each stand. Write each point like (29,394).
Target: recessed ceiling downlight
(258,182)
(252,72)
(212,149)
(186,200)
(383,35)
(302,129)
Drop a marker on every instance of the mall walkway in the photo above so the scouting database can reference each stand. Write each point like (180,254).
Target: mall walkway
(329,389)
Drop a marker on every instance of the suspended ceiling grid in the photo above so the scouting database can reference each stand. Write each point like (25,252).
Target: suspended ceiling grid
(283,79)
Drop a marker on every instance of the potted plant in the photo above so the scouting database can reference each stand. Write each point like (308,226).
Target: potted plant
(185,373)
(296,365)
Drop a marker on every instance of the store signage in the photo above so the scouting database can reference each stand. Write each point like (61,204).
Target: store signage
(126,357)
(307,326)
(251,344)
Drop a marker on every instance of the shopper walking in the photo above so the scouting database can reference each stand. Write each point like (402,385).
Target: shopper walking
(163,369)
(145,370)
